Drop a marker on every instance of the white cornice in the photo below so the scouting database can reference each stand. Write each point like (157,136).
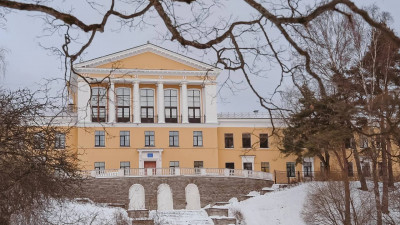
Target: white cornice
(149,125)
(148,72)
(146,48)
(147,81)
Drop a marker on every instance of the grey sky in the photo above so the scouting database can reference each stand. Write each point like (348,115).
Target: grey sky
(28,63)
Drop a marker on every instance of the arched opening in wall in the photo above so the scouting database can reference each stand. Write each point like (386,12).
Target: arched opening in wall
(136,197)
(164,198)
(192,197)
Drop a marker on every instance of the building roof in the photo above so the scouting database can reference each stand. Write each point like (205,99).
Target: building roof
(146,48)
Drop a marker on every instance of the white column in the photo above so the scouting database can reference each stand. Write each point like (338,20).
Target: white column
(184,104)
(136,102)
(84,109)
(111,103)
(160,102)
(210,99)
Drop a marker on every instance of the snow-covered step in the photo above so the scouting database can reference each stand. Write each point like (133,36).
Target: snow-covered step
(266,190)
(220,203)
(181,217)
(217,212)
(224,220)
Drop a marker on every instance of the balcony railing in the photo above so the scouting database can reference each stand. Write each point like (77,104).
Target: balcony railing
(148,172)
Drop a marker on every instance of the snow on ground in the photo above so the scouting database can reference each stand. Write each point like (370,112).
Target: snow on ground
(78,213)
(279,207)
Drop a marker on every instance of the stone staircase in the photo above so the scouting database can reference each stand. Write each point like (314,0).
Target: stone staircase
(217,214)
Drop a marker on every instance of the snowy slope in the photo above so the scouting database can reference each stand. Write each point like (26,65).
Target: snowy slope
(279,207)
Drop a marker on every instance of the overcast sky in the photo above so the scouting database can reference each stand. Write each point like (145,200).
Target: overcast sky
(28,63)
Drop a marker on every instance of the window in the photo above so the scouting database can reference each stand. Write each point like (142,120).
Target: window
(363,141)
(197,166)
(366,169)
(171,105)
(378,142)
(149,138)
(290,169)
(350,169)
(173,138)
(265,167)
(99,166)
(228,140)
(126,166)
(99,138)
(147,105)
(349,143)
(248,166)
(246,140)
(123,104)
(230,165)
(38,141)
(307,167)
(322,167)
(59,141)
(124,138)
(173,164)
(264,141)
(197,138)
(194,106)
(99,100)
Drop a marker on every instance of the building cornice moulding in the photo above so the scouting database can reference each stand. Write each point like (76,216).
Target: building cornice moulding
(146,81)
(85,71)
(149,125)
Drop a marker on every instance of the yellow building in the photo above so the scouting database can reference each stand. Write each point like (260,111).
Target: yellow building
(148,107)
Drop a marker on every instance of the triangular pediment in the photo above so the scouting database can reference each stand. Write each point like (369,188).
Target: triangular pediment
(146,57)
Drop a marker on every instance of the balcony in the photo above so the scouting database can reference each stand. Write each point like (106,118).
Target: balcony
(168,172)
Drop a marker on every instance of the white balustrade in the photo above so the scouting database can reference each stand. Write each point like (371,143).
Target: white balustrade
(144,172)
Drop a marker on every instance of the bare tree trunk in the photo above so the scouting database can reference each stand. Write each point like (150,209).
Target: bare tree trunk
(360,173)
(376,193)
(347,213)
(390,162)
(5,219)
(327,163)
(385,181)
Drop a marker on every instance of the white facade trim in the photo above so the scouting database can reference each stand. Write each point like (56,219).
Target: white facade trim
(185,115)
(250,123)
(129,125)
(136,102)
(84,104)
(111,103)
(147,72)
(142,49)
(145,81)
(160,102)
(156,155)
(248,159)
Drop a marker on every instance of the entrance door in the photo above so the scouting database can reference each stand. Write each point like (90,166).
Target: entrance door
(150,165)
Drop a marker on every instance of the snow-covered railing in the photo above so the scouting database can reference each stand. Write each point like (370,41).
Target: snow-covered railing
(147,172)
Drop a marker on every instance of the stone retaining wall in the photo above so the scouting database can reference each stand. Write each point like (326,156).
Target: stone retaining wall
(212,189)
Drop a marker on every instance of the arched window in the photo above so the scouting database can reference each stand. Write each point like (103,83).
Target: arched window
(171,105)
(99,101)
(147,105)
(194,106)
(123,104)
